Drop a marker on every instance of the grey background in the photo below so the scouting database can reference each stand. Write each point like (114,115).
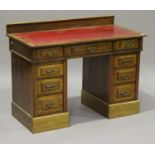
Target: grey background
(86,125)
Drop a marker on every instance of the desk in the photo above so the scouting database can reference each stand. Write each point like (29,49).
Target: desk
(39,52)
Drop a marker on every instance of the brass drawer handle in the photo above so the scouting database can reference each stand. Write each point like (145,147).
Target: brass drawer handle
(129,44)
(126,62)
(49,105)
(50,86)
(124,94)
(50,71)
(125,77)
(50,54)
(92,49)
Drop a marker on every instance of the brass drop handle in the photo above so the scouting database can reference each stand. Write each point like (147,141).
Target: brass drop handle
(92,49)
(125,77)
(49,105)
(127,62)
(124,94)
(50,54)
(50,86)
(50,71)
(129,44)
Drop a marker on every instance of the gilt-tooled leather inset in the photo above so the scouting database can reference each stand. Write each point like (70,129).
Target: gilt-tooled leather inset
(39,38)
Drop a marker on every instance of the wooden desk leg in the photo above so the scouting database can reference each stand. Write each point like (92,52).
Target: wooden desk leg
(110,84)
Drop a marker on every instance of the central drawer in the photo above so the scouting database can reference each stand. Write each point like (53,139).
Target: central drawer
(88,49)
(49,86)
(49,104)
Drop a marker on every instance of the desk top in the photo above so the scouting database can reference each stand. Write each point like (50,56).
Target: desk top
(74,35)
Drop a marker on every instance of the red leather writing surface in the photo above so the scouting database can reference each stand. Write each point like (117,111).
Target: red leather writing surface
(75,35)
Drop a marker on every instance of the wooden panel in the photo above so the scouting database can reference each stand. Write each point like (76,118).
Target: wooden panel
(124,92)
(49,104)
(52,70)
(137,74)
(65,86)
(22,83)
(96,76)
(49,86)
(125,60)
(125,75)
(88,49)
(127,44)
(48,53)
(94,103)
(61,24)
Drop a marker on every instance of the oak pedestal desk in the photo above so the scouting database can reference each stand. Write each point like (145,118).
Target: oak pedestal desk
(39,52)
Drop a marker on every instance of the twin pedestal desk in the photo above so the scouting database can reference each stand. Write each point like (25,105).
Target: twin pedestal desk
(39,52)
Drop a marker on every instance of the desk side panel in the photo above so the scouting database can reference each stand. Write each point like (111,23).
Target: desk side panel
(22,83)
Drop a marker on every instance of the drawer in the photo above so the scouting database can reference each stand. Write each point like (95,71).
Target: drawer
(48,53)
(125,75)
(125,60)
(49,104)
(49,70)
(49,86)
(126,44)
(124,92)
(88,49)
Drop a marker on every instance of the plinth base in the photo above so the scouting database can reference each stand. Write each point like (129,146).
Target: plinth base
(110,110)
(40,124)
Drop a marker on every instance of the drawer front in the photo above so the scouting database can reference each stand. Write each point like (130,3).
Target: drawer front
(125,75)
(126,44)
(49,53)
(125,60)
(124,92)
(88,49)
(49,104)
(49,70)
(49,86)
